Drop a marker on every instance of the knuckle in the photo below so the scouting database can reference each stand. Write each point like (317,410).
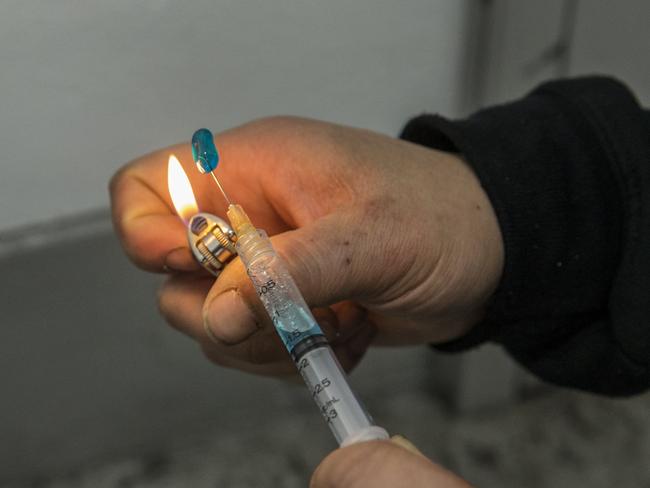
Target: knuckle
(164,302)
(277,121)
(116,181)
(258,351)
(290,131)
(214,356)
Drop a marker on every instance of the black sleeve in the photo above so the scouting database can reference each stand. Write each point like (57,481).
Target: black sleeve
(567,170)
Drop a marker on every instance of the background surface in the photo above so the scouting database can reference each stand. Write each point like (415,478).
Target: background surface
(88,85)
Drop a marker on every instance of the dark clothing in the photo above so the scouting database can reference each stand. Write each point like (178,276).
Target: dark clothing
(567,170)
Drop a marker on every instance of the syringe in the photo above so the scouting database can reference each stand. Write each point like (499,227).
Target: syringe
(301,334)
(293,320)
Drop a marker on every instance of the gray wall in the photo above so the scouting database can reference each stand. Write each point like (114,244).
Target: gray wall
(614,38)
(524,42)
(86,86)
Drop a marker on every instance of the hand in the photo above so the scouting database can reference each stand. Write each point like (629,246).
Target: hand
(391,242)
(382,464)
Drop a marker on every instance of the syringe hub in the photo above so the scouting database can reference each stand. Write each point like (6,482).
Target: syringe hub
(252,243)
(239,220)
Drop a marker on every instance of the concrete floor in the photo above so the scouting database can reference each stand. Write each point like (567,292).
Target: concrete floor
(562,439)
(97,392)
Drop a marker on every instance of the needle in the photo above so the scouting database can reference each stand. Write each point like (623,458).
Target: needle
(214,177)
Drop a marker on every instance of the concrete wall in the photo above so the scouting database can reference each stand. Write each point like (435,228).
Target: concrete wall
(524,42)
(613,37)
(88,85)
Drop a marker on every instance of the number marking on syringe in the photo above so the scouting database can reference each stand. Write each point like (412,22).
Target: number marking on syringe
(267,287)
(329,412)
(319,387)
(304,362)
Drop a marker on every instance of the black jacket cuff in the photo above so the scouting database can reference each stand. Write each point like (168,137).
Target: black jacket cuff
(567,171)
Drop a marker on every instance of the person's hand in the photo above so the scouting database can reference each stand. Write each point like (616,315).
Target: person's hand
(391,242)
(382,464)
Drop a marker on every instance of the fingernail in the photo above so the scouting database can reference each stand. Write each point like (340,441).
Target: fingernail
(358,344)
(228,319)
(406,444)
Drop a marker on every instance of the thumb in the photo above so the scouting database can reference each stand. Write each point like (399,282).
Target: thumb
(381,464)
(328,259)
(326,262)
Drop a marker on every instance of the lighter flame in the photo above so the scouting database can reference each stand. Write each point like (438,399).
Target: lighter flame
(180,189)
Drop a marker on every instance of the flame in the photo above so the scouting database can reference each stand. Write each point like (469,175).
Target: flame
(180,189)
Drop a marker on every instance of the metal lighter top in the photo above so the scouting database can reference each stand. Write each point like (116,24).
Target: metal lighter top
(212,241)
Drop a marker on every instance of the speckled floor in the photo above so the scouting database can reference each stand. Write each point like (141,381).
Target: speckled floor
(561,439)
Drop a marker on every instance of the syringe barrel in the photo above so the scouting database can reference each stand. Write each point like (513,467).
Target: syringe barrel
(304,339)
(339,406)
(277,290)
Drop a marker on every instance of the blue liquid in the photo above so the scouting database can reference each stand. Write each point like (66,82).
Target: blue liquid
(290,334)
(204,151)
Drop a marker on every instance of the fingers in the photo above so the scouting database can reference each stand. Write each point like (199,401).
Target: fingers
(142,210)
(236,321)
(381,464)
(353,335)
(326,264)
(181,301)
(153,236)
